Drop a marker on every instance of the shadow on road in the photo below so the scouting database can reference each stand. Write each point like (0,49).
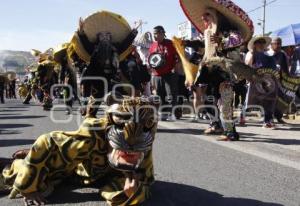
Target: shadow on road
(197,132)
(10,126)
(23,117)
(9,114)
(254,137)
(9,132)
(173,194)
(288,129)
(184,131)
(17,107)
(14,110)
(15,142)
(273,141)
(163,194)
(68,195)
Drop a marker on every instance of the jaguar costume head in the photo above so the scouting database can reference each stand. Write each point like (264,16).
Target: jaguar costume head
(131,130)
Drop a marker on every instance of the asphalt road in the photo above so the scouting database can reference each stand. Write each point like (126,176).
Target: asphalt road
(262,169)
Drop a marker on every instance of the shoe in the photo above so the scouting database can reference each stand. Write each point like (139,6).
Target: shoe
(213,130)
(242,122)
(25,102)
(164,117)
(178,113)
(83,111)
(171,118)
(281,121)
(229,136)
(269,125)
(195,119)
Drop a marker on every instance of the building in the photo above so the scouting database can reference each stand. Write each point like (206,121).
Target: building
(186,30)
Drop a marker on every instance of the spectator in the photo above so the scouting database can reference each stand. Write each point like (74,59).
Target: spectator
(2,87)
(281,60)
(257,58)
(162,60)
(293,54)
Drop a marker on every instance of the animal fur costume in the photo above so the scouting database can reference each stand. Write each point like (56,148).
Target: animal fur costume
(108,151)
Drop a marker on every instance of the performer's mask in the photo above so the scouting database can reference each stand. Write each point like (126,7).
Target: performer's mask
(131,133)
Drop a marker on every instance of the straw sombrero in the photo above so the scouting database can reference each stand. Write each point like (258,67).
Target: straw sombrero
(60,51)
(102,21)
(194,9)
(254,39)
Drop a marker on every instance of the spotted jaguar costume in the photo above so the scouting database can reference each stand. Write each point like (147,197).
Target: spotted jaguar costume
(44,77)
(106,150)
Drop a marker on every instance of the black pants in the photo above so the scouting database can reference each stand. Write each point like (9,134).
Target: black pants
(2,95)
(240,91)
(167,89)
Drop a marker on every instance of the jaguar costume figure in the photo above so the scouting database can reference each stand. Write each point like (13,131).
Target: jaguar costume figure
(45,77)
(114,151)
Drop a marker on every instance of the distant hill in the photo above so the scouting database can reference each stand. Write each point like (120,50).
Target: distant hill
(15,60)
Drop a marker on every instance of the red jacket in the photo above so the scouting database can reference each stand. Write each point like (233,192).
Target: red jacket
(167,49)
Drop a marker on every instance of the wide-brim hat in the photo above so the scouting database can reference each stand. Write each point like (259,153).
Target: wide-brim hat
(194,9)
(102,21)
(259,37)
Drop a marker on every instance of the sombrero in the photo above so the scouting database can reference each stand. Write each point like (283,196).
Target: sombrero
(60,51)
(102,21)
(194,9)
(254,39)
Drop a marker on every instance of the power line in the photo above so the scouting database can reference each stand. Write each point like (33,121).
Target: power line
(261,6)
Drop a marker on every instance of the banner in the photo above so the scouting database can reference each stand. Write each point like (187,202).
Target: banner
(273,88)
(287,89)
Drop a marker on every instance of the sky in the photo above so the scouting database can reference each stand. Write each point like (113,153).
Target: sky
(41,24)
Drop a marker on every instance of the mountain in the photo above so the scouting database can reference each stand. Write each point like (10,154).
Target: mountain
(15,60)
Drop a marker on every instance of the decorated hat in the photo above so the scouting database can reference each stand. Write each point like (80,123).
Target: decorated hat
(102,21)
(194,9)
(257,38)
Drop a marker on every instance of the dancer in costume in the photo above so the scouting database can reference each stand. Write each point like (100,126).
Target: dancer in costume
(102,41)
(67,75)
(225,27)
(114,151)
(45,77)
(143,45)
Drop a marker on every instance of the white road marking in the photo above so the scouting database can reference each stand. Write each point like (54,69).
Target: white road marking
(263,155)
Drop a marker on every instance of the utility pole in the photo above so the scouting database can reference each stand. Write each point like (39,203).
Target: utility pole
(264,16)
